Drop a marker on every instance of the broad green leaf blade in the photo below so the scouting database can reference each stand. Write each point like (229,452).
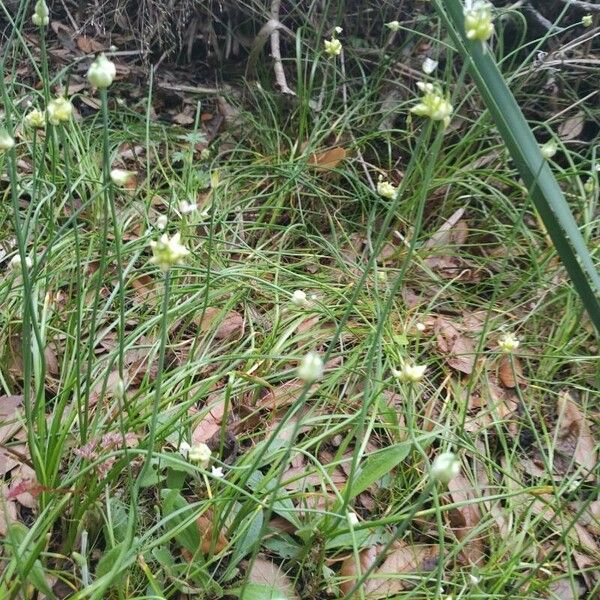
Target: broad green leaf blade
(377,465)
(545,192)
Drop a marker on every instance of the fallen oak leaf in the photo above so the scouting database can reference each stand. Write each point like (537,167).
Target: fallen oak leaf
(385,581)
(268,575)
(465,518)
(328,159)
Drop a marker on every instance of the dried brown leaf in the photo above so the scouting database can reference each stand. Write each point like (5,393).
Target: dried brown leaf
(210,544)
(211,421)
(458,349)
(266,572)
(328,159)
(230,325)
(89,45)
(466,518)
(10,413)
(384,581)
(575,440)
(572,127)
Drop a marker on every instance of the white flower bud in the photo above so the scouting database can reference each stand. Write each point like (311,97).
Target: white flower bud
(217,472)
(549,149)
(15,262)
(445,467)
(161,222)
(429,66)
(393,25)
(6,141)
(101,72)
(186,208)
(311,368)
(300,299)
(410,373)
(587,20)
(123,178)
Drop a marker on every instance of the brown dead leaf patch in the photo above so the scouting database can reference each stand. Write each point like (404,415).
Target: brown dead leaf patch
(465,519)
(387,579)
(265,572)
(212,541)
(458,349)
(575,441)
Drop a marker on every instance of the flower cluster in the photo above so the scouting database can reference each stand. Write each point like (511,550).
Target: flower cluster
(311,368)
(508,343)
(41,14)
(386,190)
(433,104)
(478,20)
(59,110)
(168,252)
(333,47)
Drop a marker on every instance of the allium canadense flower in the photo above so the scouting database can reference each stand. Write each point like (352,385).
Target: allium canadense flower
(549,149)
(478,20)
(433,104)
(311,368)
(587,20)
(35,119)
(445,467)
(41,15)
(386,190)
(508,343)
(201,454)
(60,110)
(168,252)
(101,72)
(410,373)
(333,47)
(393,25)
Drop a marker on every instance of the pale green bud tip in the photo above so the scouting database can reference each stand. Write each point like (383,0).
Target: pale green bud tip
(587,20)
(445,467)
(60,110)
(41,15)
(410,373)
(101,72)
(311,368)
(168,251)
(508,343)
(478,21)
(201,454)
(386,189)
(549,149)
(6,141)
(333,47)
(393,25)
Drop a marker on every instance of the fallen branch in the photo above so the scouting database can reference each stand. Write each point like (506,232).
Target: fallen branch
(276,52)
